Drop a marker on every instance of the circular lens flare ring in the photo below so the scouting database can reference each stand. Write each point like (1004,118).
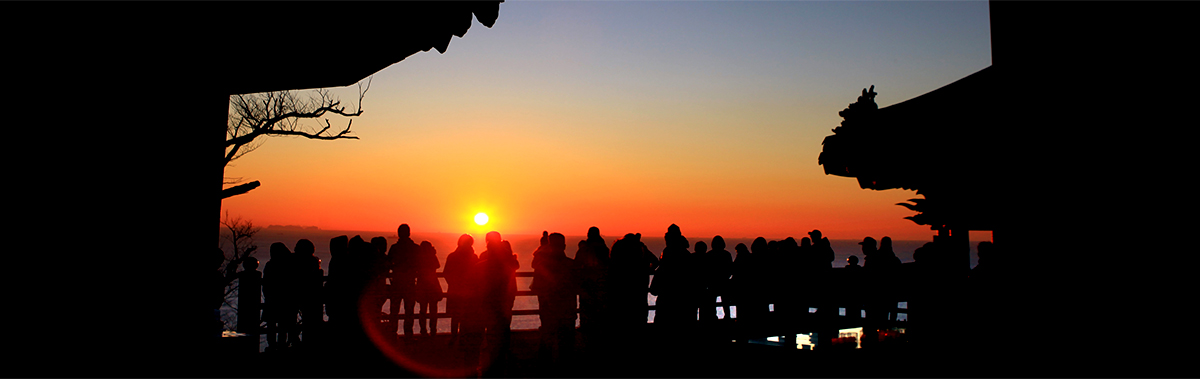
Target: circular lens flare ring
(481,218)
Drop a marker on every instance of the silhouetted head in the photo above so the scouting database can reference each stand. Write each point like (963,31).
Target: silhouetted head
(305,247)
(630,237)
(339,244)
(927,249)
(741,249)
(701,247)
(279,251)
(852,260)
(380,244)
(868,245)
(885,245)
(788,245)
(673,229)
(543,241)
(360,247)
(427,248)
(557,241)
(492,238)
(805,242)
(815,234)
(718,243)
(403,231)
(593,233)
(759,245)
(674,238)
(249,264)
(465,240)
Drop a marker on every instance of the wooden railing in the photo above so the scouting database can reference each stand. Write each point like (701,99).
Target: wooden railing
(893,314)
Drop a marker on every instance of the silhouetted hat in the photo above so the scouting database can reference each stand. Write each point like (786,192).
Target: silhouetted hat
(867,241)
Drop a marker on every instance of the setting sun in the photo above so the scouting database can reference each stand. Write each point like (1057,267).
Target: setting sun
(481,218)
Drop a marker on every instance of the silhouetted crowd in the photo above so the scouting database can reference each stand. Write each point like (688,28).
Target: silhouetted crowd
(775,288)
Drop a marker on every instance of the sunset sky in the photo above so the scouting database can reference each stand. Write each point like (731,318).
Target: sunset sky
(628,116)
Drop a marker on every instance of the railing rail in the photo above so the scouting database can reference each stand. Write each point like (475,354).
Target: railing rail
(527,312)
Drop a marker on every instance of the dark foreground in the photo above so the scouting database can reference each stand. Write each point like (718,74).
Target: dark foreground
(650,355)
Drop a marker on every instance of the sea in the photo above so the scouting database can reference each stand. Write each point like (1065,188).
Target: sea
(524,245)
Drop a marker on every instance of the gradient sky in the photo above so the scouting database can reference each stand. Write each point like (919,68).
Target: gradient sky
(628,116)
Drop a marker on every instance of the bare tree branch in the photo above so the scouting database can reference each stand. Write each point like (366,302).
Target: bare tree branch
(237,241)
(240,189)
(281,114)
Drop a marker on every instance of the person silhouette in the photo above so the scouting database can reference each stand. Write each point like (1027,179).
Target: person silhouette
(597,244)
(458,265)
(740,289)
(376,271)
(428,290)
(824,255)
(890,292)
(885,248)
(851,288)
(819,269)
(349,291)
(338,286)
(771,280)
(630,267)
(868,249)
(792,297)
(751,270)
(675,308)
(280,306)
(491,290)
(310,280)
(720,269)
(556,284)
(592,260)
(879,270)
(510,297)
(402,256)
(495,282)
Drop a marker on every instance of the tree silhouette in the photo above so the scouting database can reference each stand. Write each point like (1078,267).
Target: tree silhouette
(237,240)
(281,113)
(928,213)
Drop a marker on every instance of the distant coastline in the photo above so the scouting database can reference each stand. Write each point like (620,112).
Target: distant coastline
(292,227)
